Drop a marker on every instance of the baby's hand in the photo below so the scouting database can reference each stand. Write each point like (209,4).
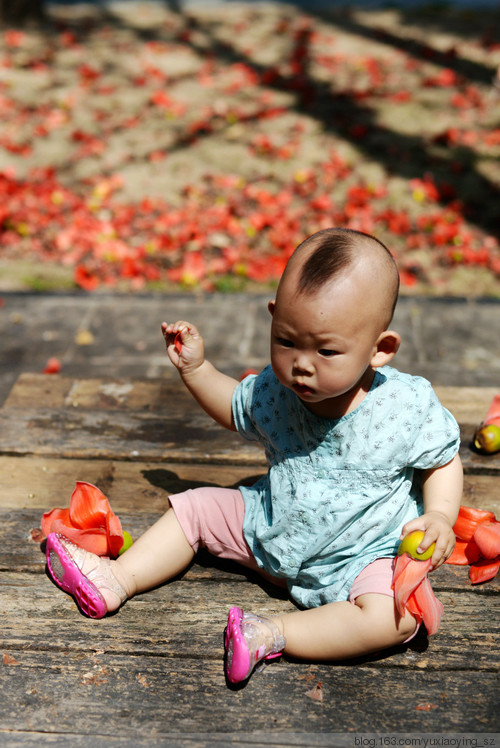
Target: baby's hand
(437,530)
(185,346)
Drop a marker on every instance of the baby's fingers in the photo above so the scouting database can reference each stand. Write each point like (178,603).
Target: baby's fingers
(411,526)
(443,550)
(176,333)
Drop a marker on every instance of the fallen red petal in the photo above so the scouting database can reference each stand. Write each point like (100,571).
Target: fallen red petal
(247,373)
(426,707)
(483,571)
(36,535)
(9,660)
(465,552)
(316,693)
(487,539)
(493,414)
(430,608)
(53,366)
(469,520)
(413,592)
(88,522)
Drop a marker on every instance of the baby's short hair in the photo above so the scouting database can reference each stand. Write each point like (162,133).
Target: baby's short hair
(334,251)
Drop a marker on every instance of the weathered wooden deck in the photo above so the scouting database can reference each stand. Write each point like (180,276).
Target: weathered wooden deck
(153,672)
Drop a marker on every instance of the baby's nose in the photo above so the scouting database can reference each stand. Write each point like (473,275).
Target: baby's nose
(302,362)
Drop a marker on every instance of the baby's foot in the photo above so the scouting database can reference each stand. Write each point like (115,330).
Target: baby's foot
(91,580)
(250,639)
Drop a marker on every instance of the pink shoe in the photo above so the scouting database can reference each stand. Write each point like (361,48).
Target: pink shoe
(249,639)
(65,562)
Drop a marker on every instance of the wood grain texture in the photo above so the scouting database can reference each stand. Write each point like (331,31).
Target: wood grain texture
(117,694)
(154,420)
(152,674)
(189,615)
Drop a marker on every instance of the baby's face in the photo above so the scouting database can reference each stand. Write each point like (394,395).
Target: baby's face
(322,344)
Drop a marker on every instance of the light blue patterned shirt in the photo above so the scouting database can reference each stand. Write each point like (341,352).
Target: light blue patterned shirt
(337,492)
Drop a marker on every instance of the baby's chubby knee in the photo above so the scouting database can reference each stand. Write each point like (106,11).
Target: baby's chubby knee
(381,616)
(406,627)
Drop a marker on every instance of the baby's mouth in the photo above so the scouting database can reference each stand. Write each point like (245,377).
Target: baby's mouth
(302,389)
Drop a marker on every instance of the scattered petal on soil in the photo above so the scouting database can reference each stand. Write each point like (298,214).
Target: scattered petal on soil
(142,680)
(316,693)
(53,366)
(36,535)
(392,131)
(9,660)
(427,707)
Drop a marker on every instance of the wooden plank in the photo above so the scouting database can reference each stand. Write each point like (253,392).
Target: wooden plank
(184,740)
(138,493)
(481,491)
(181,740)
(20,553)
(21,739)
(468,404)
(124,674)
(108,418)
(158,420)
(123,435)
(54,391)
(116,695)
(183,616)
(45,482)
(190,614)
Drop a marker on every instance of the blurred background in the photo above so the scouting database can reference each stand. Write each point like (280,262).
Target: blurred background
(190,146)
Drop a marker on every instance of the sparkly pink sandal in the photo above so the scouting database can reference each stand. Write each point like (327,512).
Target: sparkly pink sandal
(66,573)
(243,653)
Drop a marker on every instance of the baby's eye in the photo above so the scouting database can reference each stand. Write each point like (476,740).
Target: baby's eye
(284,342)
(327,352)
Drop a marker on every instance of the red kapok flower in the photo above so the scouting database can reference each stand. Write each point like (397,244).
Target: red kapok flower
(89,522)
(478,543)
(85,278)
(413,592)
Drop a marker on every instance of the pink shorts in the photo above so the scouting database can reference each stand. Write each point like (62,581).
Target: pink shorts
(212,518)
(376,577)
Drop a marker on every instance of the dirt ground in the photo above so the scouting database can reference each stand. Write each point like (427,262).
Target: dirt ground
(386,121)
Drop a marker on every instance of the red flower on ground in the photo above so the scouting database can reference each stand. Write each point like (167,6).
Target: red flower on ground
(85,279)
(478,543)
(53,366)
(89,522)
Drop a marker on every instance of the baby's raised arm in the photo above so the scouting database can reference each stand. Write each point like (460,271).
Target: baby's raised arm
(212,389)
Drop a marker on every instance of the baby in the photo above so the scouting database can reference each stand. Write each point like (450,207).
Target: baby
(359,455)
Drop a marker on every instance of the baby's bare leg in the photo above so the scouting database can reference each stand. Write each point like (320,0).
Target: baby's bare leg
(158,555)
(341,630)
(99,585)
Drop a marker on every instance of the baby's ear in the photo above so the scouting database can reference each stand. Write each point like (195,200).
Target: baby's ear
(271,306)
(386,348)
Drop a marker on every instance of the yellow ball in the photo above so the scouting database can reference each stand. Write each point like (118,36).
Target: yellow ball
(410,543)
(127,542)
